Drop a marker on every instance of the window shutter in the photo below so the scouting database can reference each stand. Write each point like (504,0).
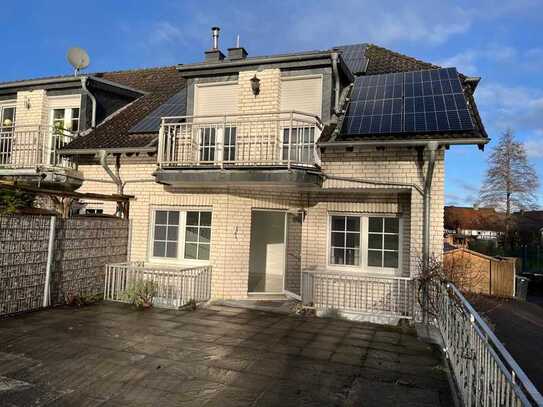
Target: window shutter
(216,99)
(302,94)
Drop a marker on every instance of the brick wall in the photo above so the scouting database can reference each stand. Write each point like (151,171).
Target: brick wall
(232,211)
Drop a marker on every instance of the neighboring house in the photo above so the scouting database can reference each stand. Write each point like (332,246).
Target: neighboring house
(267,166)
(40,116)
(473,223)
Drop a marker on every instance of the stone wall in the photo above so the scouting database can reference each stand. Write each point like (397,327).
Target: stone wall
(83,246)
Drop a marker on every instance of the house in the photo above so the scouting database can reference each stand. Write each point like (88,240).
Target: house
(40,116)
(463,224)
(269,168)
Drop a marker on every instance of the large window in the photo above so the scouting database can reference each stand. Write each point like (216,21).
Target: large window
(7,122)
(181,235)
(368,243)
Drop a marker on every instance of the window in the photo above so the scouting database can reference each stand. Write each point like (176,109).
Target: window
(198,235)
(207,144)
(181,235)
(65,119)
(229,153)
(364,242)
(166,234)
(383,242)
(7,122)
(345,239)
(301,143)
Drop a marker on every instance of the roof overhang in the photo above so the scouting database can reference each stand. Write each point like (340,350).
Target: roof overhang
(302,60)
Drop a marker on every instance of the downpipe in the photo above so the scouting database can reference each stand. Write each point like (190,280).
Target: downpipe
(432,147)
(336,79)
(102,156)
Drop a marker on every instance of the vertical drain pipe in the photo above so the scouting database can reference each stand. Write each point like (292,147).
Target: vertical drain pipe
(50,254)
(336,79)
(102,155)
(432,148)
(93,99)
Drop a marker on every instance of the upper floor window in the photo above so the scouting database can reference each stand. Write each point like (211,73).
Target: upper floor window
(65,119)
(7,116)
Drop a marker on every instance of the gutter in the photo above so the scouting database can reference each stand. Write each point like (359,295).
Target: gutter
(407,143)
(118,150)
(93,98)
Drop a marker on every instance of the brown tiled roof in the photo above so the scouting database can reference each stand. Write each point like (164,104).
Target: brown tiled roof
(382,60)
(474,219)
(159,83)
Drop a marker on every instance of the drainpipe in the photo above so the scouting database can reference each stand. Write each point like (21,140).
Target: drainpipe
(93,99)
(432,148)
(102,155)
(336,78)
(50,254)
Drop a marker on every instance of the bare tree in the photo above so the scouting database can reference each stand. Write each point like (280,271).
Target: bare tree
(511,182)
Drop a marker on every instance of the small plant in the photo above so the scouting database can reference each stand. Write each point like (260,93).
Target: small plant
(75,299)
(141,293)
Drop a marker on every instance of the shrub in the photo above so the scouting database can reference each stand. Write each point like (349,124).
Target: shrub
(141,293)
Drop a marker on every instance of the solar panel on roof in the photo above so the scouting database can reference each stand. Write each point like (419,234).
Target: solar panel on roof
(408,102)
(175,106)
(354,57)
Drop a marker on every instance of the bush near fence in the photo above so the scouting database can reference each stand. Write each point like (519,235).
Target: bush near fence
(82,248)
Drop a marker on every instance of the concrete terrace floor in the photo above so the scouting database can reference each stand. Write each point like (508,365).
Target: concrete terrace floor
(111,355)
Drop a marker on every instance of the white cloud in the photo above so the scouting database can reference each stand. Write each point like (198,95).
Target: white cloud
(467,61)
(534,147)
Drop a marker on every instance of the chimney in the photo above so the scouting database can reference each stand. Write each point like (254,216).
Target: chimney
(214,54)
(237,52)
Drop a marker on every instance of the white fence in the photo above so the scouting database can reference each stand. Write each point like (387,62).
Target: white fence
(358,293)
(485,372)
(176,287)
(259,139)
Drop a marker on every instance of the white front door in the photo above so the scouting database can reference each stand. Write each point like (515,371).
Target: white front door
(267,255)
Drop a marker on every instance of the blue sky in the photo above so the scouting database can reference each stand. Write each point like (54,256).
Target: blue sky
(497,40)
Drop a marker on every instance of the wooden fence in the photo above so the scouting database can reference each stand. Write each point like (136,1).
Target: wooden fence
(478,273)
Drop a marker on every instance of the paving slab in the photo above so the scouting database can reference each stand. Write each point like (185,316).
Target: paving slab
(112,355)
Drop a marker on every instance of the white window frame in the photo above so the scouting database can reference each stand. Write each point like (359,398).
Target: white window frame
(7,104)
(180,259)
(363,254)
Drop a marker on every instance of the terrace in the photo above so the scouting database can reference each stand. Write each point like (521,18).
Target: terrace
(110,354)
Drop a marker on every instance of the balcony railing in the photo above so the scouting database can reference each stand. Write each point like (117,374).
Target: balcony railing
(24,147)
(175,287)
(358,293)
(255,139)
(485,372)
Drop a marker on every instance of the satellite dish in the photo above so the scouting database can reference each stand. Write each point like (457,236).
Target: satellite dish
(78,58)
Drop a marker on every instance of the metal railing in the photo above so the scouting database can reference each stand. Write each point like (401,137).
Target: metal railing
(175,287)
(358,293)
(485,372)
(33,146)
(253,139)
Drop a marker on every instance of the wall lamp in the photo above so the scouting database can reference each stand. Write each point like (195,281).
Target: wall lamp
(255,85)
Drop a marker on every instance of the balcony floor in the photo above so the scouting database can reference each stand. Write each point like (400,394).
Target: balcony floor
(111,355)
(261,177)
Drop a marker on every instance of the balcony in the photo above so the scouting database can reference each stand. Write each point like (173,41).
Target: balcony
(273,148)
(31,153)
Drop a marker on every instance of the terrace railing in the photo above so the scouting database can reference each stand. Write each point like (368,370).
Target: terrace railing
(358,293)
(24,147)
(485,372)
(256,139)
(176,287)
